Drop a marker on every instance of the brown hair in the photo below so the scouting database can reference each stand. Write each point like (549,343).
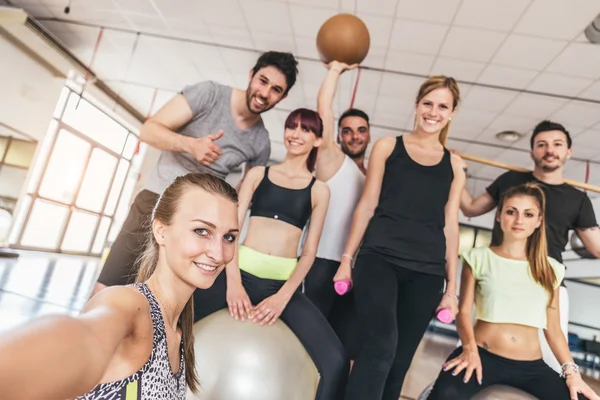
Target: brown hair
(439,82)
(537,247)
(164,210)
(312,121)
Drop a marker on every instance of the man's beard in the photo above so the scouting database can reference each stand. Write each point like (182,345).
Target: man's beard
(547,168)
(356,155)
(249,97)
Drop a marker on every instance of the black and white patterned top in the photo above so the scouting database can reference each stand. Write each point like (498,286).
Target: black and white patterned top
(155,380)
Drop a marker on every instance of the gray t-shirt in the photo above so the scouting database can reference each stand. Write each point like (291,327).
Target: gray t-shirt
(211,107)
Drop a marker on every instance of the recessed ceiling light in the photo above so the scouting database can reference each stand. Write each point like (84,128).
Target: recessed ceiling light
(508,136)
(592,31)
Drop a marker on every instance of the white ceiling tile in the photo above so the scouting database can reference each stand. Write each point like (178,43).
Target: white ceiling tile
(528,52)
(206,57)
(306,21)
(239,61)
(482,98)
(193,30)
(142,23)
(331,4)
(490,14)
(265,41)
(593,92)
(380,29)
(368,82)
(507,76)
(471,44)
(137,6)
(506,122)
(267,16)
(390,120)
(222,14)
(477,150)
(400,86)
(388,104)
(365,102)
(558,19)
(375,57)
(417,37)
(548,82)
(578,114)
(440,11)
(458,69)
(408,62)
(462,131)
(376,7)
(534,105)
(221,76)
(238,37)
(346,6)
(306,47)
(475,118)
(192,10)
(587,139)
(578,59)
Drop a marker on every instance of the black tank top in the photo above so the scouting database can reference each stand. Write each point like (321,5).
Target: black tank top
(289,205)
(407,228)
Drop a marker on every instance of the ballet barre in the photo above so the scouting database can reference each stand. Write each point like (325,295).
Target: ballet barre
(481,160)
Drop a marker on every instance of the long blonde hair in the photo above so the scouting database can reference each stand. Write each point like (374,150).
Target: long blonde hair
(164,210)
(439,82)
(537,246)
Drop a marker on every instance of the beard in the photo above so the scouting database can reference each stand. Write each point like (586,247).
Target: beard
(540,163)
(356,154)
(249,97)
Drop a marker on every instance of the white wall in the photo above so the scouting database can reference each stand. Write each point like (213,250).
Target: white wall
(28,91)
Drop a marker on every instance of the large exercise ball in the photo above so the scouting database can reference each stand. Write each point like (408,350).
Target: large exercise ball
(245,361)
(344,38)
(494,392)
(578,247)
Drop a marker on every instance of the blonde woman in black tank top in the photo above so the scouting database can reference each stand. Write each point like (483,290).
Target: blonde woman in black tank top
(407,221)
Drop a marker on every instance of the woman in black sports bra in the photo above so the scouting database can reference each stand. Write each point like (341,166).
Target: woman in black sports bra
(262,282)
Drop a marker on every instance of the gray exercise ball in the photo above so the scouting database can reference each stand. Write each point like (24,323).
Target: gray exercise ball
(578,247)
(245,361)
(494,392)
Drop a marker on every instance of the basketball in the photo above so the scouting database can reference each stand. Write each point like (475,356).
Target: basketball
(344,38)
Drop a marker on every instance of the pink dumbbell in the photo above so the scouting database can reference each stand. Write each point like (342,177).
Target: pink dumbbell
(445,316)
(342,287)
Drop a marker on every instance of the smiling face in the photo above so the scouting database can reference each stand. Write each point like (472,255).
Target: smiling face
(520,217)
(550,150)
(299,138)
(266,88)
(354,136)
(201,238)
(434,111)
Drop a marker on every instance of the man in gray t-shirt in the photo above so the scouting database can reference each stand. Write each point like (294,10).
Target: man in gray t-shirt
(210,128)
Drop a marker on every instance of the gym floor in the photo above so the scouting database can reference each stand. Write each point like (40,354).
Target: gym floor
(37,284)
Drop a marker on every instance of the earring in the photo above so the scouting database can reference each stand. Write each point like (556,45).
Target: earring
(450,119)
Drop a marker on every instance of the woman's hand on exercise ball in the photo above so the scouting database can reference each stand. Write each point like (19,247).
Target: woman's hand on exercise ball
(469,361)
(238,301)
(340,67)
(576,385)
(269,310)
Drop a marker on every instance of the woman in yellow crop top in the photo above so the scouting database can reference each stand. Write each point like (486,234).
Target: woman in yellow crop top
(515,289)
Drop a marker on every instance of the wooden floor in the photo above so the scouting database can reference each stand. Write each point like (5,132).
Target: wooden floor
(37,284)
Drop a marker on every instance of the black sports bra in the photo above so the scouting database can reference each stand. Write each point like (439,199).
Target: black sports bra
(289,205)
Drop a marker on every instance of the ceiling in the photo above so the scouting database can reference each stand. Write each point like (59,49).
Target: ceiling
(517,61)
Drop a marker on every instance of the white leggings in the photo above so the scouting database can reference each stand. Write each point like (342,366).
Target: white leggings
(563,299)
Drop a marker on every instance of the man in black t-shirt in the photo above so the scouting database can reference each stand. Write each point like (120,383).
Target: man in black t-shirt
(567,208)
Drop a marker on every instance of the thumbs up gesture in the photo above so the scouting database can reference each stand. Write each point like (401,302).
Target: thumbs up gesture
(204,150)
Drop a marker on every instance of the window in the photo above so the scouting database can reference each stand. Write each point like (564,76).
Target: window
(81,182)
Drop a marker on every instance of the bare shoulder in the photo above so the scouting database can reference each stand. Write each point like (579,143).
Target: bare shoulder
(125,301)
(255,174)
(388,142)
(457,161)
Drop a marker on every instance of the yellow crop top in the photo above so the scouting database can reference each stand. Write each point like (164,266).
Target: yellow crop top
(505,290)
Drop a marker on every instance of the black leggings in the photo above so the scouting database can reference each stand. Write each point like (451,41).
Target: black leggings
(301,316)
(340,311)
(534,377)
(395,306)
(119,267)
